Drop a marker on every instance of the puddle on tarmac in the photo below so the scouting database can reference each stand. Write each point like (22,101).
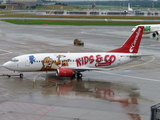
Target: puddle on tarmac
(111,91)
(127,94)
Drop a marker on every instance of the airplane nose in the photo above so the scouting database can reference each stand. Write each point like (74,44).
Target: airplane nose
(6,65)
(11,66)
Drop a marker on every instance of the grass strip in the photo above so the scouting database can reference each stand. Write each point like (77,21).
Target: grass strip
(83,16)
(73,22)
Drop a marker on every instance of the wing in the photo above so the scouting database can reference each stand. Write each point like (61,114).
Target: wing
(82,69)
(137,55)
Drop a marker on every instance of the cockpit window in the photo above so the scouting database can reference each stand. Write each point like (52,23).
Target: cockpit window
(14,60)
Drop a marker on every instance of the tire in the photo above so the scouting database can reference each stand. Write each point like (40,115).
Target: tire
(79,79)
(79,75)
(21,75)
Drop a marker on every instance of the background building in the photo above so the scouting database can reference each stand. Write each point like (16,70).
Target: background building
(21,3)
(15,6)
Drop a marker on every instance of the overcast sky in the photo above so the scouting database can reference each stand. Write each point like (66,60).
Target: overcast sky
(92,0)
(98,0)
(74,0)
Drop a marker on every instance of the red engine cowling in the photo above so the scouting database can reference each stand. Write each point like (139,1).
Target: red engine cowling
(65,72)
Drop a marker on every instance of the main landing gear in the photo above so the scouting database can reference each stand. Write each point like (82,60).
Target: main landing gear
(79,75)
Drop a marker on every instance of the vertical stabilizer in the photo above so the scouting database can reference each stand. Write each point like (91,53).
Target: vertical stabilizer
(129,7)
(132,43)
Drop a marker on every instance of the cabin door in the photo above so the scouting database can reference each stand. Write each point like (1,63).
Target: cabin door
(27,62)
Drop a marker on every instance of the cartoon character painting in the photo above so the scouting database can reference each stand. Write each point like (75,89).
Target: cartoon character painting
(32,59)
(49,64)
(64,63)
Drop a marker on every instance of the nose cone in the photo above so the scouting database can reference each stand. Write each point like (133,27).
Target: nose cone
(9,65)
(6,65)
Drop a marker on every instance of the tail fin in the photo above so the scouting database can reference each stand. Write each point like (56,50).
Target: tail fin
(132,43)
(129,6)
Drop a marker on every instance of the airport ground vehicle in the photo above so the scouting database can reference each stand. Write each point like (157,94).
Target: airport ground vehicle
(78,42)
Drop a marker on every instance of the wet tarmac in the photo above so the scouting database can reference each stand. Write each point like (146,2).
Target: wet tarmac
(126,92)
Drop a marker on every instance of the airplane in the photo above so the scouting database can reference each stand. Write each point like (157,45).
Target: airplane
(129,8)
(72,64)
(149,28)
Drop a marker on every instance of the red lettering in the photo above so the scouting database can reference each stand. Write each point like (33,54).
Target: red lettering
(82,61)
(112,58)
(108,60)
(91,59)
(85,59)
(78,62)
(98,58)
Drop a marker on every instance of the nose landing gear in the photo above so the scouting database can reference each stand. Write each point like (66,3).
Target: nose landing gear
(21,75)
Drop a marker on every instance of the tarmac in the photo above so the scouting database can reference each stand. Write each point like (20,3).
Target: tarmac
(126,92)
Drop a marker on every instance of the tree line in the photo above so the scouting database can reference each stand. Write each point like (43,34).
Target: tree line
(134,3)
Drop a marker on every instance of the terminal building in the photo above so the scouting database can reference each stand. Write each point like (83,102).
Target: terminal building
(15,6)
(20,4)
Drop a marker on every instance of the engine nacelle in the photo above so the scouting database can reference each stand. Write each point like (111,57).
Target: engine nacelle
(64,72)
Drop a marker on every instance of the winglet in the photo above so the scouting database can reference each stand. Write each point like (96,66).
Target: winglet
(132,43)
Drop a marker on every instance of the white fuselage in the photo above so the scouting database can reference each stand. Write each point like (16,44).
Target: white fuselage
(150,28)
(52,61)
(70,64)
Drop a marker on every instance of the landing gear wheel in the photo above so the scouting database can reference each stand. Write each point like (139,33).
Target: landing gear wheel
(79,79)
(79,75)
(21,75)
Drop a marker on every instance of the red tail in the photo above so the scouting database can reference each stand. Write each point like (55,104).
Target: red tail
(132,43)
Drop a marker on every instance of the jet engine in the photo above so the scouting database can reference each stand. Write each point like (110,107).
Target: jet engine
(155,34)
(64,72)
